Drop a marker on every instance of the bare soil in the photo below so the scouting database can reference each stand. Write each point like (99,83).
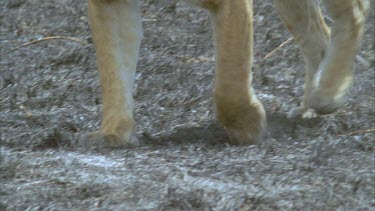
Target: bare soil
(50,95)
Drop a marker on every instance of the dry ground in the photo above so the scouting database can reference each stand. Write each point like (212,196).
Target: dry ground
(50,95)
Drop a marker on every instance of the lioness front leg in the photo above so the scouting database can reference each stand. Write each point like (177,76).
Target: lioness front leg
(237,107)
(117,33)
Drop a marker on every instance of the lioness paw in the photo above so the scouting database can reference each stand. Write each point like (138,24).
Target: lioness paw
(304,113)
(245,136)
(98,140)
(324,103)
(246,125)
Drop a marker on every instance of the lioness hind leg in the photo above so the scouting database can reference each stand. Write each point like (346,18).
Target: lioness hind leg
(335,72)
(329,63)
(304,20)
(117,33)
(237,107)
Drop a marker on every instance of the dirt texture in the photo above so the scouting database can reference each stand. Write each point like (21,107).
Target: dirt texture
(50,95)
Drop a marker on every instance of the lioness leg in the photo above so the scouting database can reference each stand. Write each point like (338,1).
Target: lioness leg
(336,70)
(117,33)
(237,107)
(304,20)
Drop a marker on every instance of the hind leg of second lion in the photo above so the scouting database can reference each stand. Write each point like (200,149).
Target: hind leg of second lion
(329,59)
(304,20)
(335,72)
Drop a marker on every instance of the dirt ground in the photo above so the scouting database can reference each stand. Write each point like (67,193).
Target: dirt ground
(50,95)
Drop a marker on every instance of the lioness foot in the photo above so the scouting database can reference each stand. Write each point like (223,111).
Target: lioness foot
(245,125)
(98,140)
(324,103)
(303,112)
(296,112)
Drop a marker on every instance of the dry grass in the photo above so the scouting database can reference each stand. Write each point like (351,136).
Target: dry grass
(50,95)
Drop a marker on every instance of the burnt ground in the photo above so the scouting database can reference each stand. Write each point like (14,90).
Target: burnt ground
(50,95)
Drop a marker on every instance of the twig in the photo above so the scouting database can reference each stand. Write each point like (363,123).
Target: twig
(23,109)
(44,39)
(359,131)
(281,45)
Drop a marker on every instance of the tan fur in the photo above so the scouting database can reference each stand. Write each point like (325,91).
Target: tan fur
(329,59)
